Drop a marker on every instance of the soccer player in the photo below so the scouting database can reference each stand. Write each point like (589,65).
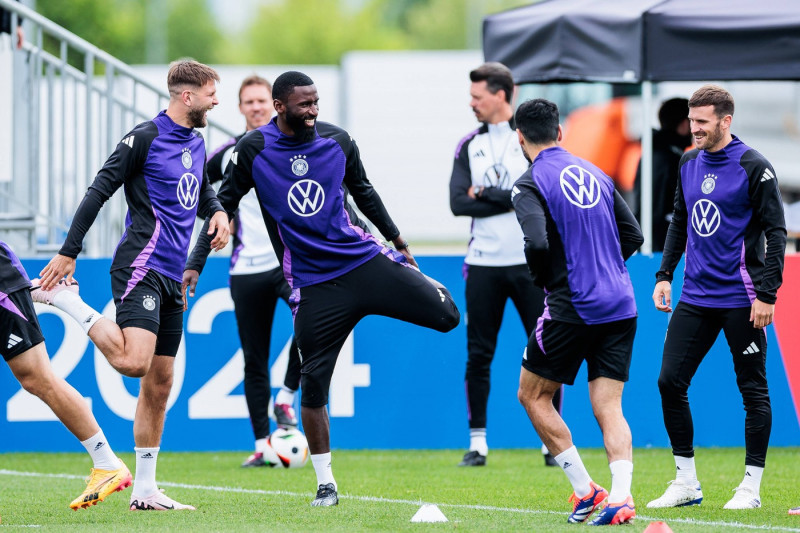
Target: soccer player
(161,164)
(730,193)
(256,282)
(338,272)
(486,162)
(578,234)
(24,350)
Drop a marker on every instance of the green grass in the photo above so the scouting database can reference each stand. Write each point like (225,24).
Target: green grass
(381,491)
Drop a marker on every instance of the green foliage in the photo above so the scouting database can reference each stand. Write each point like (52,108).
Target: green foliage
(381,491)
(122,28)
(278,31)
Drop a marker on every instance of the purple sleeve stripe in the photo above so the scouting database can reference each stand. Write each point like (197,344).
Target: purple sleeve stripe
(6,303)
(748,282)
(230,142)
(463,141)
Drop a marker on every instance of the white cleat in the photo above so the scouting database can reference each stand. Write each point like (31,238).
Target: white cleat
(745,498)
(158,501)
(46,297)
(678,494)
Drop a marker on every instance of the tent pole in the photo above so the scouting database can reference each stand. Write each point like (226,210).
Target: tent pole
(646,208)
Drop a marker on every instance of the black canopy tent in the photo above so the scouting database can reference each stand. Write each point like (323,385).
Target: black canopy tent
(644,41)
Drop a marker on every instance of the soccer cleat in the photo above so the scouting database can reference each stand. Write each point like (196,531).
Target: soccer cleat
(582,508)
(326,496)
(257,459)
(615,513)
(158,501)
(794,510)
(549,460)
(745,498)
(473,458)
(46,297)
(100,484)
(678,494)
(284,415)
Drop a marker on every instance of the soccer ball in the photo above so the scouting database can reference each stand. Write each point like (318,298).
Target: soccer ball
(290,447)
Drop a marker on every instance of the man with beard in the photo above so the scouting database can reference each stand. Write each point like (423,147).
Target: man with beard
(161,164)
(338,272)
(730,193)
(486,163)
(669,144)
(578,233)
(256,283)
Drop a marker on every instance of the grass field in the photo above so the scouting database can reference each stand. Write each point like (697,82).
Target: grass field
(381,491)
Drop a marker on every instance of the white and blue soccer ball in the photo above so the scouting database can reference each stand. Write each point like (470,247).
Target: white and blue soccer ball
(290,448)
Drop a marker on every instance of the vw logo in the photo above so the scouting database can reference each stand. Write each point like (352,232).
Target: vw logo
(496,176)
(306,198)
(705,217)
(188,188)
(580,186)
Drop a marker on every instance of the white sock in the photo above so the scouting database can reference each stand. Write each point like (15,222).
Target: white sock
(100,450)
(621,477)
(752,477)
(570,462)
(684,470)
(261,445)
(285,395)
(74,306)
(477,441)
(144,484)
(322,466)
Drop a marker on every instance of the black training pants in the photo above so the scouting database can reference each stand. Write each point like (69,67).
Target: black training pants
(254,299)
(691,333)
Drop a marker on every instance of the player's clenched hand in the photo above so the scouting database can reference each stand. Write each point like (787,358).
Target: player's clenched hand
(761,314)
(219,223)
(662,296)
(57,268)
(190,278)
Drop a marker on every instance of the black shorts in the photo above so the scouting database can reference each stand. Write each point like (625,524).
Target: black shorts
(556,349)
(149,300)
(327,312)
(19,325)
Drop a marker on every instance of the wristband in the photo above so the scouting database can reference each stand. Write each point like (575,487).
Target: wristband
(402,246)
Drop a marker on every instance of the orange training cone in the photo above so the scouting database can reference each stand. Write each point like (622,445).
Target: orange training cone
(658,527)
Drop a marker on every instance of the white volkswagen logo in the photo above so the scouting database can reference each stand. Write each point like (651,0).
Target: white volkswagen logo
(188,188)
(580,186)
(306,198)
(705,217)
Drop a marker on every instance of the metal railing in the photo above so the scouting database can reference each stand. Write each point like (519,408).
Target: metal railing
(72,104)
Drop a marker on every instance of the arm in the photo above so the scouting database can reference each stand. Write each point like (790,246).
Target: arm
(675,243)
(768,208)
(125,161)
(237,183)
(530,211)
(463,202)
(365,195)
(630,234)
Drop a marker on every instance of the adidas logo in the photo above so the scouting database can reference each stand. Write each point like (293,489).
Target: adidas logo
(235,158)
(479,153)
(441,295)
(751,349)
(767,175)
(99,445)
(128,141)
(747,474)
(89,318)
(567,465)
(147,455)
(13,340)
